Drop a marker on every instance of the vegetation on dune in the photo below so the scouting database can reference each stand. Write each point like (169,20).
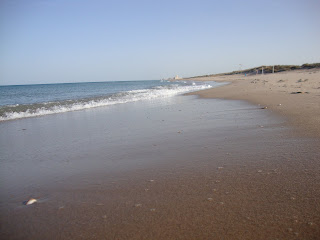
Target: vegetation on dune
(310,65)
(267,69)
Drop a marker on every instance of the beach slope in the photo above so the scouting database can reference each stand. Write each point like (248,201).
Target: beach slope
(293,94)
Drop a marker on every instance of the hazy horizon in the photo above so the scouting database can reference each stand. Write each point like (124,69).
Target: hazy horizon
(133,80)
(80,41)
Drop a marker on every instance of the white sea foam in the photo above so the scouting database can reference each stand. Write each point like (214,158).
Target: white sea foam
(119,98)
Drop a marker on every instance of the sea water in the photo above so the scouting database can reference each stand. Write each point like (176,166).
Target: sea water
(23,101)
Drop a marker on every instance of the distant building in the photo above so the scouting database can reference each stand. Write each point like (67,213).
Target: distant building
(176,77)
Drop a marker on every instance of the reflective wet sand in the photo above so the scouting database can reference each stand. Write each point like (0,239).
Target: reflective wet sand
(184,168)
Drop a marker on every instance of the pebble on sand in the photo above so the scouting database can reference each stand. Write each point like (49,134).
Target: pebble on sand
(299,92)
(138,205)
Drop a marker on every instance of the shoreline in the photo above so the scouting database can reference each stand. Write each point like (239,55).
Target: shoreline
(188,168)
(293,94)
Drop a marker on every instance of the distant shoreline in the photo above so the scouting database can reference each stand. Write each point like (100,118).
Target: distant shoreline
(265,69)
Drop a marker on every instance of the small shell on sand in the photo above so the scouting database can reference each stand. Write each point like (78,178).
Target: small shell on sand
(138,205)
(31,201)
(210,199)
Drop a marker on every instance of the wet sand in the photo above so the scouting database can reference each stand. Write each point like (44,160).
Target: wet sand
(185,169)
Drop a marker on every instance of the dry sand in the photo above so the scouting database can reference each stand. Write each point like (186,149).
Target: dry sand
(294,94)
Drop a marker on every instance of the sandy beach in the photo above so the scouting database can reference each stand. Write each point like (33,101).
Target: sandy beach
(118,120)
(293,94)
(183,168)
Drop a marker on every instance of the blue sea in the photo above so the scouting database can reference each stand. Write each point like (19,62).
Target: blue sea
(23,101)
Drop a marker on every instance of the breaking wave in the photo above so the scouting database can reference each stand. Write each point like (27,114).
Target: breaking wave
(10,112)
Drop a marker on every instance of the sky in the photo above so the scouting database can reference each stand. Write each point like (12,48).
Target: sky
(55,41)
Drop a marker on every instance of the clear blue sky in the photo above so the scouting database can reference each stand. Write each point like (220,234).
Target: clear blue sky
(48,41)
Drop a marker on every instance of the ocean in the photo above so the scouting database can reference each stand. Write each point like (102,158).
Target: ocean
(23,101)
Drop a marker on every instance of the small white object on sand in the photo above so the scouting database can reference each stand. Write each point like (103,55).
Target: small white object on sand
(31,201)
